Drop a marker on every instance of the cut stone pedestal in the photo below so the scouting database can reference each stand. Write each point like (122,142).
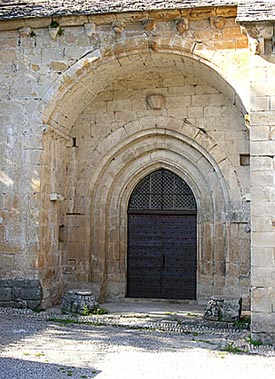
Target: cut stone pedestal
(78,301)
(223,309)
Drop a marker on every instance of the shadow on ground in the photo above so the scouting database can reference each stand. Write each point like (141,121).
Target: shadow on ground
(11,368)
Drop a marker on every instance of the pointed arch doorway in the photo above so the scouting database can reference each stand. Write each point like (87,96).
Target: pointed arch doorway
(162,238)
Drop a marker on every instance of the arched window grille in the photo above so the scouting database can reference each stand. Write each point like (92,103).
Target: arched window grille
(162,190)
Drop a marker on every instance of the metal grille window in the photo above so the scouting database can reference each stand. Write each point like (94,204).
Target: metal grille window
(162,190)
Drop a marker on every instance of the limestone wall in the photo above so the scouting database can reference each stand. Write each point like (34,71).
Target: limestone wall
(73,95)
(262,181)
(210,121)
(21,150)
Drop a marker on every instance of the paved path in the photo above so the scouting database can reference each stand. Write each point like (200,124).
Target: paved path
(33,348)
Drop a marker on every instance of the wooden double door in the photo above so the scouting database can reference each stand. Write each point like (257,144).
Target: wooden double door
(162,255)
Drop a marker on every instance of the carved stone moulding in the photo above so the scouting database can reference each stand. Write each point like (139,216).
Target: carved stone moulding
(181,25)
(217,22)
(149,27)
(261,37)
(155,101)
(118,27)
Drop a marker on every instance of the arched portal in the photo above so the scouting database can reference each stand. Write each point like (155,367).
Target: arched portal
(162,238)
(101,150)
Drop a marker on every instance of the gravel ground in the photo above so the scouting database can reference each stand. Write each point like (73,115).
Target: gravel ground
(32,347)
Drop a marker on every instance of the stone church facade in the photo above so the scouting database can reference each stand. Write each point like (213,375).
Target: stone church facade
(100,99)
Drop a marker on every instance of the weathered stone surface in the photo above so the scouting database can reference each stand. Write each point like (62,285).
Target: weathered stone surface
(6,283)
(58,66)
(5,294)
(31,293)
(20,293)
(21,304)
(26,283)
(34,304)
(78,301)
(75,121)
(15,293)
(223,309)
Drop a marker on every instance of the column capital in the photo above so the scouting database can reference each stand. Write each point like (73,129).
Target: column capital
(261,37)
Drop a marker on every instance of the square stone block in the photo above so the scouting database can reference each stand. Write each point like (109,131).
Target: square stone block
(223,309)
(78,301)
(5,294)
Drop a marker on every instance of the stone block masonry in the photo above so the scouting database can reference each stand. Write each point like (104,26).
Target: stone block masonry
(76,123)
(20,293)
(78,97)
(262,176)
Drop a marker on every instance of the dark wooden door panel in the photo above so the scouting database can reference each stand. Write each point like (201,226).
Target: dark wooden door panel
(162,256)
(179,256)
(144,258)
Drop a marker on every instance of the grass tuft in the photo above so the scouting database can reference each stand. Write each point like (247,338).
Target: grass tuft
(232,349)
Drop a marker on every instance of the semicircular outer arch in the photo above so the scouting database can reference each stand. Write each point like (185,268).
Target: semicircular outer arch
(78,86)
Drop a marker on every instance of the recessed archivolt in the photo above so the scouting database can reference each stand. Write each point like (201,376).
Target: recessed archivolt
(137,137)
(130,175)
(78,86)
(208,184)
(116,179)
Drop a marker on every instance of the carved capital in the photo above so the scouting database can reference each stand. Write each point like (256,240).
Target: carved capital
(259,35)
